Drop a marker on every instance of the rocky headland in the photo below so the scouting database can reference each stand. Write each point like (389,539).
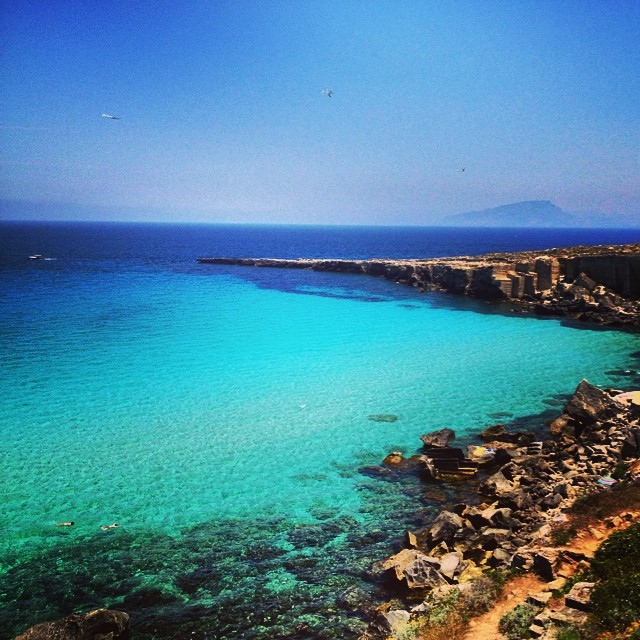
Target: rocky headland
(527,486)
(596,284)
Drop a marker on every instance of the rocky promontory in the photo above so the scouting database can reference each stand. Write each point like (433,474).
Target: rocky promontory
(598,283)
(526,488)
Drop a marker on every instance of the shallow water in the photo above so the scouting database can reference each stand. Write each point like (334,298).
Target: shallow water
(221,417)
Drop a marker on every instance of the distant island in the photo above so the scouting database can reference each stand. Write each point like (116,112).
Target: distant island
(536,213)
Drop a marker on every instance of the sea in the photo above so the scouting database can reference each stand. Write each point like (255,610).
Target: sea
(232,420)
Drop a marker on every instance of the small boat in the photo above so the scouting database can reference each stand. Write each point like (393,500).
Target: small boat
(36,256)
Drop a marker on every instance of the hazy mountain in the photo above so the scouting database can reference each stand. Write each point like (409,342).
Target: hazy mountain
(537,213)
(534,213)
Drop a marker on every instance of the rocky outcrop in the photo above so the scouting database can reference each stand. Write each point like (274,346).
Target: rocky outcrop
(522,499)
(102,624)
(598,284)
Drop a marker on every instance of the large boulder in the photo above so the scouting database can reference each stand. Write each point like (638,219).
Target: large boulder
(579,596)
(588,404)
(413,569)
(497,485)
(440,438)
(101,624)
(444,528)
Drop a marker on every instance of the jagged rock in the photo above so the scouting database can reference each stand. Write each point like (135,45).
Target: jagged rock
(588,404)
(499,518)
(499,558)
(495,432)
(412,569)
(545,563)
(101,624)
(516,500)
(522,559)
(444,528)
(540,599)
(411,540)
(496,485)
(427,468)
(562,426)
(450,565)
(490,517)
(578,597)
(440,438)
(585,282)
(490,539)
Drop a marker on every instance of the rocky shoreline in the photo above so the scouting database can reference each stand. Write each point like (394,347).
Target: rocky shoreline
(598,284)
(530,486)
(526,486)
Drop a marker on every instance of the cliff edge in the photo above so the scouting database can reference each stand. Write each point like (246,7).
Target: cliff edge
(597,283)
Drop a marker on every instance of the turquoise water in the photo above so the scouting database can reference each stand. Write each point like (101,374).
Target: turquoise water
(221,417)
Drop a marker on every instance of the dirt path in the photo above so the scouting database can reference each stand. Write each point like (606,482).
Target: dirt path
(485,627)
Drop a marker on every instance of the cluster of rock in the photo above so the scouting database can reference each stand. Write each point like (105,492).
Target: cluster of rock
(599,283)
(101,624)
(531,484)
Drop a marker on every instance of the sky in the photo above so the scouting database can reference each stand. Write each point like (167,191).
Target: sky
(223,116)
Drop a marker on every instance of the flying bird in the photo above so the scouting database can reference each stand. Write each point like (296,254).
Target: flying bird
(461,170)
(329,92)
(108,115)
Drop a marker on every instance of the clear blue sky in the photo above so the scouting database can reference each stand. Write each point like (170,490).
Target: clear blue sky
(223,116)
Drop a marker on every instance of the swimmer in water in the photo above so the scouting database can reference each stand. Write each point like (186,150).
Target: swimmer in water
(104,527)
(65,524)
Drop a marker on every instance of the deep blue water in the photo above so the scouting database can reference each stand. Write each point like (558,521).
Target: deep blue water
(220,415)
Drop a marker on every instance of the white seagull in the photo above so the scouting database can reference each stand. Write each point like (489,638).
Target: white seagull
(329,92)
(108,115)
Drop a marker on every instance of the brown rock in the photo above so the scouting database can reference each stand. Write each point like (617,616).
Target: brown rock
(444,528)
(545,563)
(394,459)
(588,404)
(578,597)
(440,438)
(102,624)
(412,569)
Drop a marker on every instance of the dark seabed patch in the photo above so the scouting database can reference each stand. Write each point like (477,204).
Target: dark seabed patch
(383,417)
(260,579)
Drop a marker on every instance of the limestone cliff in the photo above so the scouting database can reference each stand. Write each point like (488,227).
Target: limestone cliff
(600,283)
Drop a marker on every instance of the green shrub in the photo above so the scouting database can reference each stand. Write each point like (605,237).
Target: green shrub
(569,633)
(515,624)
(616,601)
(616,568)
